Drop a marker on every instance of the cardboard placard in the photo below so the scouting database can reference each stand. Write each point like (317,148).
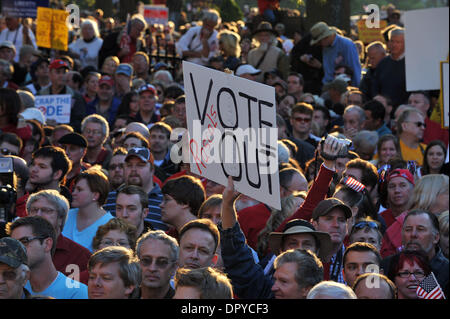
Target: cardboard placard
(232,131)
(368,35)
(155,14)
(51,29)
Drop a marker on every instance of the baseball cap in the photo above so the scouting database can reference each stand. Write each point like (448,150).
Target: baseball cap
(142,152)
(401,173)
(58,63)
(160,65)
(246,69)
(74,139)
(125,68)
(7,44)
(325,206)
(299,226)
(147,87)
(106,79)
(33,113)
(12,252)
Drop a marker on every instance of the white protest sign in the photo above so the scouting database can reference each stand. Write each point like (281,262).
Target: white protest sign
(426,45)
(232,131)
(54,107)
(155,14)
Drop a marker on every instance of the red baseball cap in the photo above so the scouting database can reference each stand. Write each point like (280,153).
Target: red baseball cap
(106,79)
(58,63)
(406,174)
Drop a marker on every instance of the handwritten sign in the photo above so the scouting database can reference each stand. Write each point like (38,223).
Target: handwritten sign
(155,14)
(368,35)
(51,29)
(232,131)
(55,107)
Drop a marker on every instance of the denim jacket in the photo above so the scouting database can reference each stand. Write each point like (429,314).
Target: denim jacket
(249,281)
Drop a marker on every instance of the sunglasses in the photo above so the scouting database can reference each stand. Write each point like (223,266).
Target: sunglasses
(364,224)
(160,263)
(302,119)
(419,124)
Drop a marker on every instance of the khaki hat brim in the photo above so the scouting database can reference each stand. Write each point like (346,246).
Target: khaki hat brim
(323,36)
(275,239)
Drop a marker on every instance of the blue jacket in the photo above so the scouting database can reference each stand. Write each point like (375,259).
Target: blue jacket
(91,108)
(249,281)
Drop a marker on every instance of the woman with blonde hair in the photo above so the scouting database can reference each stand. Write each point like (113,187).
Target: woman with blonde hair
(431,194)
(230,48)
(443,232)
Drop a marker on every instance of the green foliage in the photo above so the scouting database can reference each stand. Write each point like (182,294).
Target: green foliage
(230,11)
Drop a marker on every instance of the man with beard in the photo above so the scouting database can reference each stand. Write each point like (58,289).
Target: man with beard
(139,170)
(158,256)
(48,169)
(95,129)
(420,231)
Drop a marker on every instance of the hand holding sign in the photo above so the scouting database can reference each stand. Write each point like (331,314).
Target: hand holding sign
(228,212)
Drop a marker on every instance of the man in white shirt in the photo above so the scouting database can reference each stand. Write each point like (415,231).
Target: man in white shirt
(200,43)
(18,34)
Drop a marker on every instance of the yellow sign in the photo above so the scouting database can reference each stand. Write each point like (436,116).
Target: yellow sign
(51,29)
(368,35)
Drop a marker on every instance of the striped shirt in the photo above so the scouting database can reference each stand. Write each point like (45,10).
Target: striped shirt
(154,214)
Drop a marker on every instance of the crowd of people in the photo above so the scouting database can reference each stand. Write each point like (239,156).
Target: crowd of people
(97,208)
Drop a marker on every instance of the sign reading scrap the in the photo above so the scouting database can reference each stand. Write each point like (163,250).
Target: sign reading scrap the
(51,29)
(55,107)
(232,131)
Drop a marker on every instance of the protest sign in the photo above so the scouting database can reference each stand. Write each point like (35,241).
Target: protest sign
(55,107)
(22,8)
(445,94)
(232,131)
(370,34)
(426,45)
(155,14)
(51,29)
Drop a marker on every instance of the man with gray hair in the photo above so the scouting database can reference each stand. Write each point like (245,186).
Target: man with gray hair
(331,290)
(53,207)
(124,43)
(300,269)
(200,43)
(365,144)
(389,77)
(354,117)
(375,52)
(95,128)
(14,271)
(158,255)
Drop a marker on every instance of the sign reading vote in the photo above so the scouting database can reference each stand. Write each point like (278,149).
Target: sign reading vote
(55,107)
(232,131)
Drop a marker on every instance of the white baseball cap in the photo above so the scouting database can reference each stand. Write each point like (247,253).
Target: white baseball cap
(246,69)
(33,113)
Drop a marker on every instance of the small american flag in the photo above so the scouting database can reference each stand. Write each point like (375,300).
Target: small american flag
(429,288)
(353,184)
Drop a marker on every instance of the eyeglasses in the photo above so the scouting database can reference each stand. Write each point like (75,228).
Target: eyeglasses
(418,124)
(302,119)
(6,151)
(44,210)
(26,240)
(108,242)
(418,274)
(9,275)
(160,263)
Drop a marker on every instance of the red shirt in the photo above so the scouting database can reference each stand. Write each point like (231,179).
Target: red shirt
(434,131)
(69,252)
(252,220)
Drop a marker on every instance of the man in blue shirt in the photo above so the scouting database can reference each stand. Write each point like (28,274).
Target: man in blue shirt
(336,50)
(39,237)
